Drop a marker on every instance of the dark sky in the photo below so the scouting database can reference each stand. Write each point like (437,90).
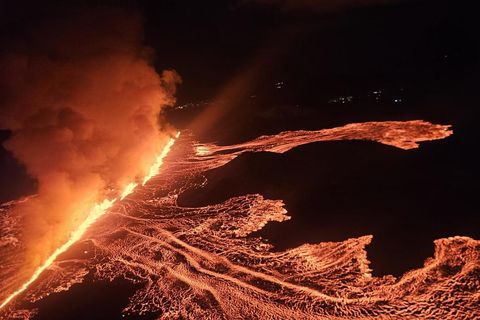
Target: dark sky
(271,68)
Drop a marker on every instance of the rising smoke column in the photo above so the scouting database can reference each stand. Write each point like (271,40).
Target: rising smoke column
(82,101)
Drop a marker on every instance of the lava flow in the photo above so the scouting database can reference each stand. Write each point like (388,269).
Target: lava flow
(95,213)
(204,263)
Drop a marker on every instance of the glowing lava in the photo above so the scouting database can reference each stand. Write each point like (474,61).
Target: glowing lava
(158,163)
(95,213)
(128,189)
(206,262)
(202,151)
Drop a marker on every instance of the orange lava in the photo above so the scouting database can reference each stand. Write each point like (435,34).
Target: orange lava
(97,211)
(155,168)
(204,263)
(128,189)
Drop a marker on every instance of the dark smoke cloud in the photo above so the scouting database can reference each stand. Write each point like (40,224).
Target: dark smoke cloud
(82,101)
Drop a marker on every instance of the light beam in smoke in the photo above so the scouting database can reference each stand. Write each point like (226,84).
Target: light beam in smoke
(95,213)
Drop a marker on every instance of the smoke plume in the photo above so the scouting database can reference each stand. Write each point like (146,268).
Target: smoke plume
(83,102)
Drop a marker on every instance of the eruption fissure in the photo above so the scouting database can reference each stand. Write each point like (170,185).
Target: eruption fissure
(98,210)
(204,262)
(83,103)
(159,161)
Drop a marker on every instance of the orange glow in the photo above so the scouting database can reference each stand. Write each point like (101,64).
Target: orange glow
(128,190)
(95,213)
(202,151)
(225,272)
(155,168)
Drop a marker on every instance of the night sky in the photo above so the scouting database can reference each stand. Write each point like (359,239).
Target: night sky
(271,68)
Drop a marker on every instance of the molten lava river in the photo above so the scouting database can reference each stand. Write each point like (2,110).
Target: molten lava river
(201,263)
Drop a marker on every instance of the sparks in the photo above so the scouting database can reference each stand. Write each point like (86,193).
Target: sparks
(95,213)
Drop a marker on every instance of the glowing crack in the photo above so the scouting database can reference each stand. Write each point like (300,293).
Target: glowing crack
(95,213)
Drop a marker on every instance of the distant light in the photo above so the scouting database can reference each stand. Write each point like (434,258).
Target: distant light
(341,99)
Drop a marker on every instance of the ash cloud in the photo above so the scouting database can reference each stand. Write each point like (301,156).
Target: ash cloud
(83,102)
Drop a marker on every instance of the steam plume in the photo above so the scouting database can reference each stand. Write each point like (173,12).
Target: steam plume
(83,102)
